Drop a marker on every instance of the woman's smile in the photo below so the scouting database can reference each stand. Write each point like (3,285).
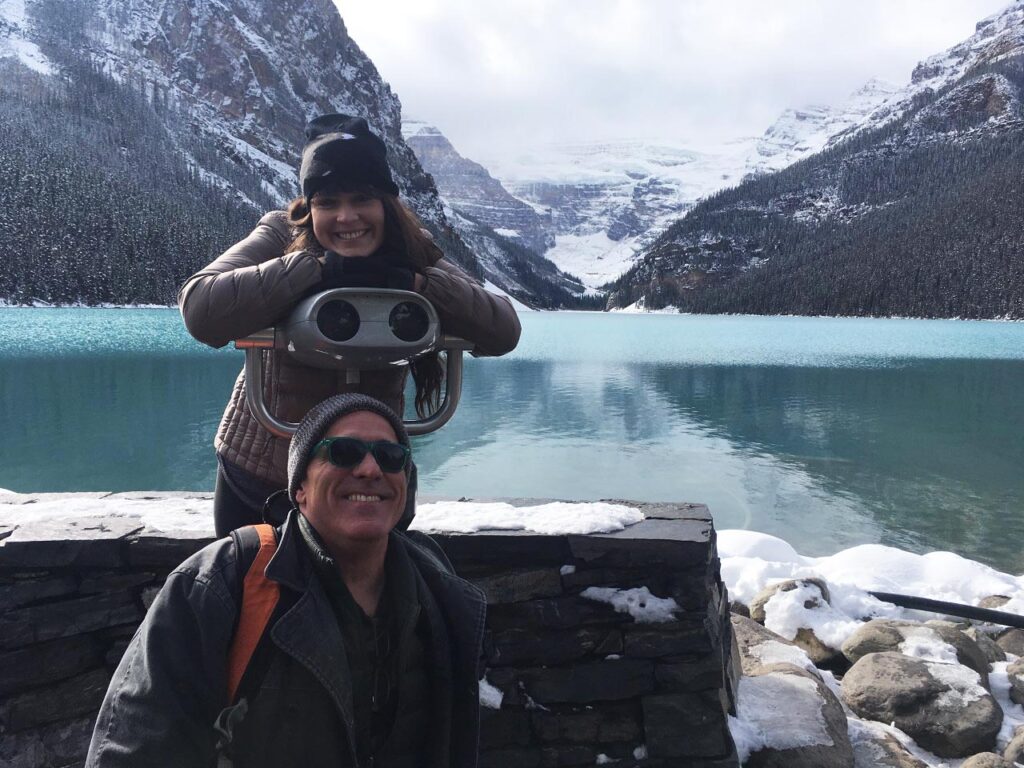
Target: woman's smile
(348,223)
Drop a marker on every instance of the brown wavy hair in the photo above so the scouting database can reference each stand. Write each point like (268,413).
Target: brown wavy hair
(406,244)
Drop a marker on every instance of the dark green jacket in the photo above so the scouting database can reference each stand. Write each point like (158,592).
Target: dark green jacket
(170,686)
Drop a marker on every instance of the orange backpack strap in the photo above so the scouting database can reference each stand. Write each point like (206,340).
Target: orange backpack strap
(259,598)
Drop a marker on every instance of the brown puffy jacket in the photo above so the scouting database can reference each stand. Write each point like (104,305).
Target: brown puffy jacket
(254,284)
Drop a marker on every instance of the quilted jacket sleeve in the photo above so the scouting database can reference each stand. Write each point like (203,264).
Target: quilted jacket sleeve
(470,312)
(249,287)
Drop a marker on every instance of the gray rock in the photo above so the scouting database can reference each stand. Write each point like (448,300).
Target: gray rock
(516,586)
(943,707)
(670,639)
(1012,641)
(994,602)
(1016,674)
(607,724)
(501,728)
(818,651)
(535,647)
(67,699)
(810,708)
(697,674)
(682,725)
(986,760)
(739,609)
(883,751)
(988,646)
(1014,751)
(759,646)
(44,663)
(766,594)
(880,635)
(589,682)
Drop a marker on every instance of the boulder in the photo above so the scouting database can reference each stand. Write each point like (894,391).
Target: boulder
(1014,751)
(988,646)
(759,646)
(994,602)
(802,718)
(881,635)
(874,748)
(942,706)
(986,760)
(1015,673)
(818,651)
(766,594)
(735,606)
(1012,641)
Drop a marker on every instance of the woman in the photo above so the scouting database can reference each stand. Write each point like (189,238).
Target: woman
(348,229)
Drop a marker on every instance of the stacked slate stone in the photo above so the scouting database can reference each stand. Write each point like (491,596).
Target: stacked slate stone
(580,680)
(583,683)
(71,596)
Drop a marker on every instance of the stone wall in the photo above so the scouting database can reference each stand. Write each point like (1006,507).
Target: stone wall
(579,679)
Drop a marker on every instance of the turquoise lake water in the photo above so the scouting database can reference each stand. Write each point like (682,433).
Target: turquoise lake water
(827,432)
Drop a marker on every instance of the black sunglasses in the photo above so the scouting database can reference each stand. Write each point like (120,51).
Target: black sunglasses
(348,452)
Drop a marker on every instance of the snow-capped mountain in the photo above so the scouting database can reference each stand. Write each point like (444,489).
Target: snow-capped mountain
(234,82)
(996,38)
(469,187)
(608,200)
(506,234)
(914,210)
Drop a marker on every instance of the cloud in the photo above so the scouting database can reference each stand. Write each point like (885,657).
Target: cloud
(497,76)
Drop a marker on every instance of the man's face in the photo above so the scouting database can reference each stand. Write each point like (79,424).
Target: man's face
(359,505)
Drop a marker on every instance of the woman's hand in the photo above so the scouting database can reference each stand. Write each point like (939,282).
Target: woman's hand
(363,272)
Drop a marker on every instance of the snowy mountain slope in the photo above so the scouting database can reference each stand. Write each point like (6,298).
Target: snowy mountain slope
(240,78)
(996,38)
(609,200)
(469,187)
(14,38)
(506,234)
(920,217)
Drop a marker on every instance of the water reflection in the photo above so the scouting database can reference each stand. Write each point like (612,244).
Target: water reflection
(919,453)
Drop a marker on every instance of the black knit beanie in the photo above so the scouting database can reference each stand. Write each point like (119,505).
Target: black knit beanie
(315,424)
(341,150)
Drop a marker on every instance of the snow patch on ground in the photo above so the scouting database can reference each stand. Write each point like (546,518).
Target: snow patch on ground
(774,652)
(558,517)
(751,561)
(785,614)
(594,258)
(964,684)
(490,696)
(639,603)
(15,45)
(925,643)
(1013,714)
(638,308)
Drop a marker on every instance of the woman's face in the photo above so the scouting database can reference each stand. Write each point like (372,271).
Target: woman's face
(348,223)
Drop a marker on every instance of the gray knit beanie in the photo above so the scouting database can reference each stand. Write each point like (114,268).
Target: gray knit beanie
(315,424)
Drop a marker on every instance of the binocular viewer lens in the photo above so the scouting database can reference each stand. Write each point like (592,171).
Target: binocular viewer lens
(408,321)
(339,321)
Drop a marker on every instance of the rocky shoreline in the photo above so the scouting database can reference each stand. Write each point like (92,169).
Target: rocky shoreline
(954,688)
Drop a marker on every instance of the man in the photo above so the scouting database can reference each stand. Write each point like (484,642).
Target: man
(370,656)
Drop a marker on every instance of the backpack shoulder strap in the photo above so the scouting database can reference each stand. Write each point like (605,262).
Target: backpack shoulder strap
(260,596)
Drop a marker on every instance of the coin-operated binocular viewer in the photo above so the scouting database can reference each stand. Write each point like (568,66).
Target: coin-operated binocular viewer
(356,329)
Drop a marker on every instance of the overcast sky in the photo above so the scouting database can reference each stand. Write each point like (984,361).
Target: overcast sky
(498,76)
